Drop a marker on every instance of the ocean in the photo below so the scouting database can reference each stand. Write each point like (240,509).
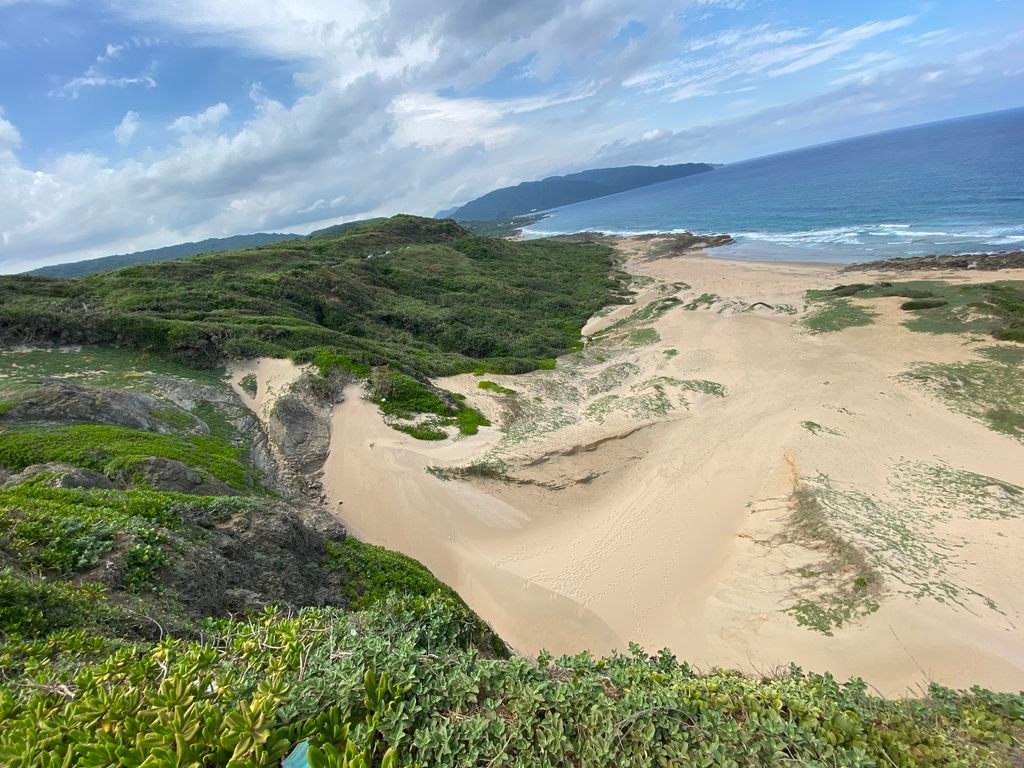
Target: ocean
(955,186)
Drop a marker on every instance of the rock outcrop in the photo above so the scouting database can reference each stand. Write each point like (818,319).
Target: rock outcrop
(61,402)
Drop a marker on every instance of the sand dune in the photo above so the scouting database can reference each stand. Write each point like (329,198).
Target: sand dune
(649,487)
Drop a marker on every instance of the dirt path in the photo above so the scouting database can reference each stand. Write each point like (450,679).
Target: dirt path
(649,483)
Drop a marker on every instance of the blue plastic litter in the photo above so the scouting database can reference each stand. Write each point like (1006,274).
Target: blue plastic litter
(297,758)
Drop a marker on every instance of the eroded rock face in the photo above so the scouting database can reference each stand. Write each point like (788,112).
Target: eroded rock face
(272,553)
(162,474)
(300,428)
(60,402)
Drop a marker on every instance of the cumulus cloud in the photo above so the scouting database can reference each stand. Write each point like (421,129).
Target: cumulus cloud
(208,118)
(125,130)
(10,139)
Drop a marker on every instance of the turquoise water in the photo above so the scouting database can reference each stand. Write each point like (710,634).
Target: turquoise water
(950,187)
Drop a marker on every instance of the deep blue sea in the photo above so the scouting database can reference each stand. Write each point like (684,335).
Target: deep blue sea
(950,187)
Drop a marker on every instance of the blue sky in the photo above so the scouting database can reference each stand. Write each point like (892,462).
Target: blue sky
(130,124)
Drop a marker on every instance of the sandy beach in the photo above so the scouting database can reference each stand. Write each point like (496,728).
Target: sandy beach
(647,486)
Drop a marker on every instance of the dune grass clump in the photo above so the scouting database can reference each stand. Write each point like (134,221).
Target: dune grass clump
(990,391)
(828,314)
(491,386)
(851,584)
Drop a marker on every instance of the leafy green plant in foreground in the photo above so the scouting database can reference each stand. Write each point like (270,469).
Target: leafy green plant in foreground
(405,682)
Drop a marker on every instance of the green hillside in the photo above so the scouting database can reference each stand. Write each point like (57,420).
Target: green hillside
(168,253)
(420,294)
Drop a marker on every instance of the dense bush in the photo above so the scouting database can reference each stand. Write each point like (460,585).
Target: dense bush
(406,683)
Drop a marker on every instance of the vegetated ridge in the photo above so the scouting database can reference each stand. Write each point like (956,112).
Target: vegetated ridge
(179,251)
(554,191)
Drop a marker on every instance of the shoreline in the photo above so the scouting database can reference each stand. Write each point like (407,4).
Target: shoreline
(789,253)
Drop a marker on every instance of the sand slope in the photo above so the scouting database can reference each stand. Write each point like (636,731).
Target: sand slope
(649,483)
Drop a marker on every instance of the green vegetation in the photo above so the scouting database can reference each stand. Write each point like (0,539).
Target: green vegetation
(828,313)
(492,386)
(995,308)
(419,294)
(643,336)
(991,391)
(403,397)
(117,451)
(671,352)
(94,366)
(327,361)
(409,682)
(249,384)
(372,574)
(923,304)
(67,531)
(817,429)
(852,583)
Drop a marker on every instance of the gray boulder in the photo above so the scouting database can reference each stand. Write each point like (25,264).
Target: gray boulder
(62,476)
(162,474)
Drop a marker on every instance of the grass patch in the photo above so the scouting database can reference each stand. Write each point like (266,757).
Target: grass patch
(704,301)
(426,431)
(1004,354)
(990,392)
(642,337)
(328,361)
(119,450)
(492,386)
(995,308)
(34,607)
(469,421)
(853,583)
(671,353)
(94,366)
(828,315)
(65,531)
(490,469)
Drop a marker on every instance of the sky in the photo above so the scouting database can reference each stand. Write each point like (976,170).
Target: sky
(133,124)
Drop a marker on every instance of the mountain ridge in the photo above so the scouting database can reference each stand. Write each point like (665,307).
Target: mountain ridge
(555,191)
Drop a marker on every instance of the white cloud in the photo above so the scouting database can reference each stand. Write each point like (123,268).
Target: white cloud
(379,126)
(96,77)
(208,118)
(10,139)
(710,64)
(76,85)
(125,130)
